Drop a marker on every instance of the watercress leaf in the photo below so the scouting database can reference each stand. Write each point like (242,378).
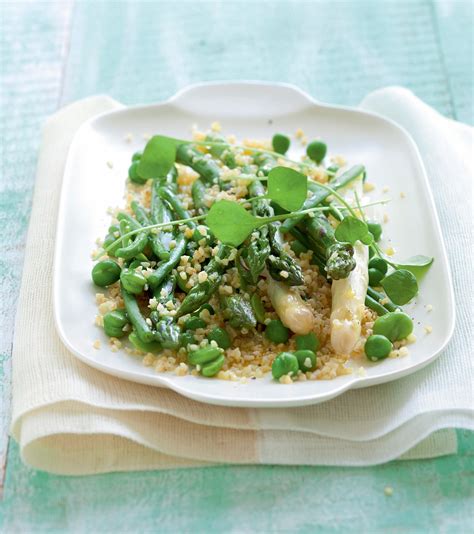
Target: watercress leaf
(352,229)
(158,157)
(418,265)
(401,286)
(230,222)
(287,187)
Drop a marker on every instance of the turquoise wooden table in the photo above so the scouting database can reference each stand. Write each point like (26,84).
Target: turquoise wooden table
(55,52)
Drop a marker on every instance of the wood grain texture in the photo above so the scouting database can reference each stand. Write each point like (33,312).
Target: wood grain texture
(53,53)
(33,41)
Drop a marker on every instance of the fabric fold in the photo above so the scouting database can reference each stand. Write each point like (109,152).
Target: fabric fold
(71,419)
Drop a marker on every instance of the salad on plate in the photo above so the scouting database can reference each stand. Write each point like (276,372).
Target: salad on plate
(230,259)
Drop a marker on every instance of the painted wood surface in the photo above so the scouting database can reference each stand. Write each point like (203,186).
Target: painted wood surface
(52,53)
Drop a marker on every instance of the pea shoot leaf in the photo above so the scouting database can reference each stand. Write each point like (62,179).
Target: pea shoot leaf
(352,229)
(401,286)
(418,265)
(287,187)
(158,157)
(230,222)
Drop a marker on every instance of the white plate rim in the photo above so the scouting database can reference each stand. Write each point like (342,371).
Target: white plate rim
(160,380)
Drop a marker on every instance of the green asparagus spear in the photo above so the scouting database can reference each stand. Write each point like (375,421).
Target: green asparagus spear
(339,257)
(238,311)
(321,194)
(203,291)
(168,333)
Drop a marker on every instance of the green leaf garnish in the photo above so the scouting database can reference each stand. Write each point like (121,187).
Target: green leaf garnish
(158,157)
(287,187)
(418,265)
(230,222)
(352,229)
(401,286)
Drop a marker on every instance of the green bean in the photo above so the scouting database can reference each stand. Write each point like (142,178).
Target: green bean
(390,306)
(198,192)
(199,162)
(165,268)
(223,151)
(135,316)
(160,213)
(375,305)
(140,213)
(177,206)
(138,244)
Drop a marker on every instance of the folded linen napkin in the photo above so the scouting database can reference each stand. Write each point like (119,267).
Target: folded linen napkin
(71,419)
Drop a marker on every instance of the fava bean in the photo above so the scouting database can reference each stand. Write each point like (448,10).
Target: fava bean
(114,323)
(220,336)
(193,323)
(214,367)
(375,229)
(277,332)
(133,173)
(375,276)
(204,355)
(308,342)
(280,143)
(316,150)
(150,346)
(379,264)
(377,347)
(394,326)
(285,363)
(133,281)
(306,360)
(105,273)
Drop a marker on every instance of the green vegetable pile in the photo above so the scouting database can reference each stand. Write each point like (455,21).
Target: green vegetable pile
(282,205)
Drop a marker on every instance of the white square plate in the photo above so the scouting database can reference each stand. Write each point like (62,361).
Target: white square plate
(249,110)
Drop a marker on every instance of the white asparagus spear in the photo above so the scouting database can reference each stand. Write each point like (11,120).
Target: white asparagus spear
(290,307)
(348,297)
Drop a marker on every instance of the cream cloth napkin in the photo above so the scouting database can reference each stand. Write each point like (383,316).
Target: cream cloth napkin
(71,419)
